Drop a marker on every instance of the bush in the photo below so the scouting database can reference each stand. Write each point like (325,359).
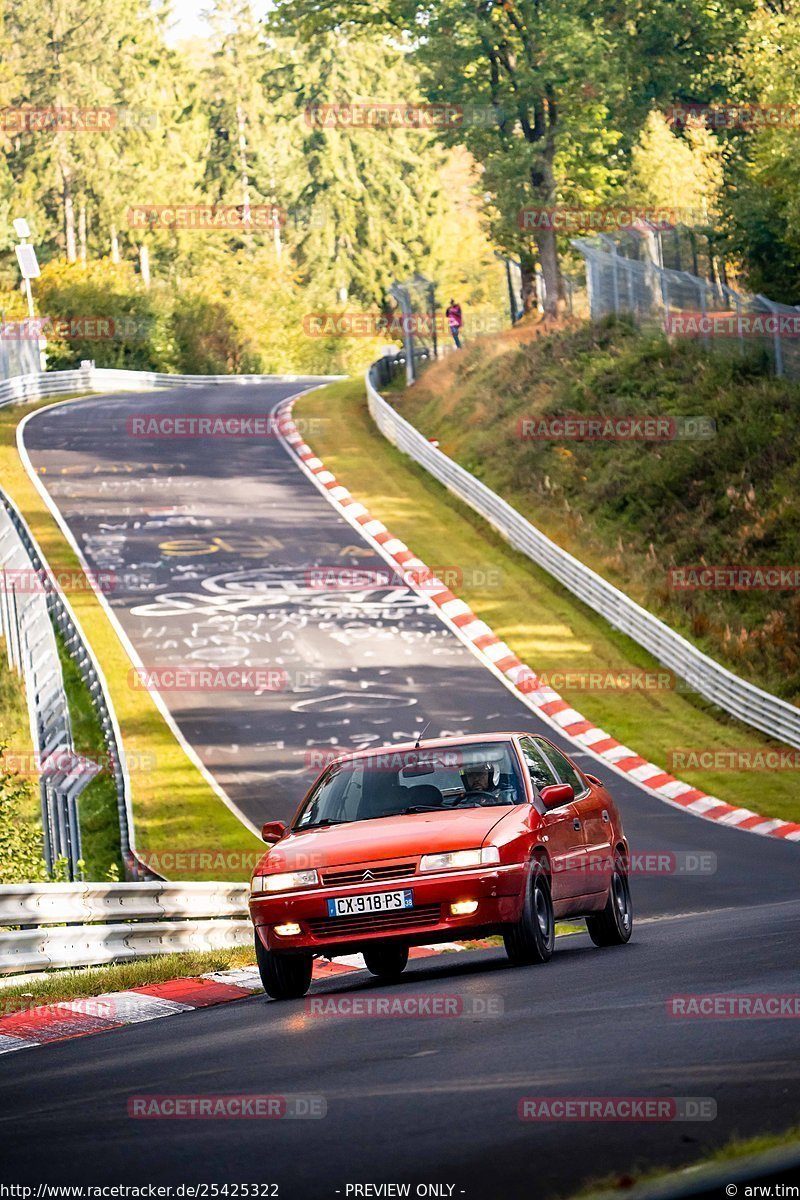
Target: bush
(21,858)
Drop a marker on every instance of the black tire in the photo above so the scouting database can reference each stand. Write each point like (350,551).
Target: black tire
(532,939)
(387,962)
(614,925)
(284,976)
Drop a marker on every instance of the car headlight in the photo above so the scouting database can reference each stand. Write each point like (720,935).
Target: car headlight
(454,859)
(287,881)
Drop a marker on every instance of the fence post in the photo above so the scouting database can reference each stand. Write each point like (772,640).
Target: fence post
(776,336)
(701,291)
(401,295)
(615,269)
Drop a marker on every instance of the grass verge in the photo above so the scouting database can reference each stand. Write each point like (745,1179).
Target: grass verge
(174,808)
(731,1152)
(541,621)
(119,977)
(721,492)
(97,804)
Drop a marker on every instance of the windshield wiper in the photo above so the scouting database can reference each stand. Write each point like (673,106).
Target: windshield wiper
(420,808)
(318,825)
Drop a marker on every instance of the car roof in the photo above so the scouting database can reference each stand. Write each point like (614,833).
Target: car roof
(471,739)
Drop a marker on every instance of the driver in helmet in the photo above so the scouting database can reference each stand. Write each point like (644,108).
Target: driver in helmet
(484,778)
(478,777)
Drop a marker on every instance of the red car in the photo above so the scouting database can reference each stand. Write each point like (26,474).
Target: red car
(434,841)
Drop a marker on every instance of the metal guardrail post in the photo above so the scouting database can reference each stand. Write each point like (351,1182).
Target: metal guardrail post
(776,336)
(701,291)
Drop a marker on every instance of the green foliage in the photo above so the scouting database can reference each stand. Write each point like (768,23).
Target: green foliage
(97,804)
(20,839)
(633,510)
(762,198)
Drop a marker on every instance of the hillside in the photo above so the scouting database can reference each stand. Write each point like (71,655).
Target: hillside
(633,510)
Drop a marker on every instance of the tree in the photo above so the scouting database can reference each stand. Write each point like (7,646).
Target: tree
(369,199)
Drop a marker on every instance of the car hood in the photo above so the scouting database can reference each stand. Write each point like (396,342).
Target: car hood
(383,838)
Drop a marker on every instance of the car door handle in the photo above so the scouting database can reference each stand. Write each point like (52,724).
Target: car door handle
(576,823)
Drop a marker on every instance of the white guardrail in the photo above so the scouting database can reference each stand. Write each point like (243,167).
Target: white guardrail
(31,649)
(736,696)
(30,643)
(88,924)
(88,378)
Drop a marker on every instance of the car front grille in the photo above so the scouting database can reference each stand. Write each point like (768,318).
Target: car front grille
(351,875)
(341,928)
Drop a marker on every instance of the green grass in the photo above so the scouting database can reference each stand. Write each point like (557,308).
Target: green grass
(174,807)
(634,510)
(118,977)
(731,1152)
(97,805)
(544,624)
(15,730)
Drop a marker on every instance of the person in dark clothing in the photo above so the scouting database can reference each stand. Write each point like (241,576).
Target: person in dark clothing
(455,321)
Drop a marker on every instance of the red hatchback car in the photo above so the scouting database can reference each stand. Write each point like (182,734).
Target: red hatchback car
(443,839)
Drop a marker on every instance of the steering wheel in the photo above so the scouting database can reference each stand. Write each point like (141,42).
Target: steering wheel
(469,797)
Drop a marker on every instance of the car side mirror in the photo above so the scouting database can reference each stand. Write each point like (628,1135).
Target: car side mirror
(556,794)
(273,831)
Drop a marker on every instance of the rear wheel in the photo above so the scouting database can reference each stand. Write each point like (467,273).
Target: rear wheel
(387,962)
(614,925)
(284,976)
(532,939)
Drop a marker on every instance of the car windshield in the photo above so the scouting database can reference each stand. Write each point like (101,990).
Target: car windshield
(390,783)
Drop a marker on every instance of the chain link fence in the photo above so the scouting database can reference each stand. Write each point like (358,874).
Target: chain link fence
(20,348)
(685,305)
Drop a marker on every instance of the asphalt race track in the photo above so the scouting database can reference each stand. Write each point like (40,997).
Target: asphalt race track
(213,544)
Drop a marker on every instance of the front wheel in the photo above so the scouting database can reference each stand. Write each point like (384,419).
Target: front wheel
(614,925)
(532,939)
(284,976)
(387,962)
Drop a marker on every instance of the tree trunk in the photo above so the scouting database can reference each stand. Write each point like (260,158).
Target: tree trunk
(544,189)
(528,273)
(68,205)
(82,232)
(144,264)
(114,245)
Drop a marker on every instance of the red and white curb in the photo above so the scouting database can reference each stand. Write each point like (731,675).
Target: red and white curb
(502,661)
(66,1019)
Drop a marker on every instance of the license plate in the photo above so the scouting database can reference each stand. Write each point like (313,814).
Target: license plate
(370,902)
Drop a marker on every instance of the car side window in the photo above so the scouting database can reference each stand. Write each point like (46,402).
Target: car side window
(566,771)
(539,768)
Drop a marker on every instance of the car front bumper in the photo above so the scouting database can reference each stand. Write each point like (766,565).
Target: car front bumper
(497,890)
